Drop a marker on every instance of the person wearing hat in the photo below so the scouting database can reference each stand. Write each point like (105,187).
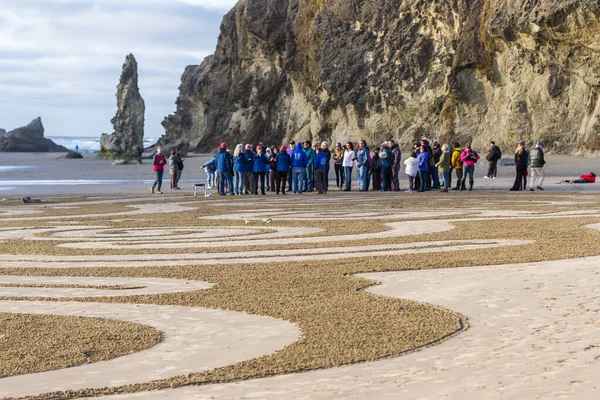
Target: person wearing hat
(522,163)
(457,166)
(537,167)
(385,164)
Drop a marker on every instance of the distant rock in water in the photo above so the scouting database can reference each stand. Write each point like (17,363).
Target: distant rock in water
(337,70)
(2,132)
(73,155)
(128,137)
(29,139)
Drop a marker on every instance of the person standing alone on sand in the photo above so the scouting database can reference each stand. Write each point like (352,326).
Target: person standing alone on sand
(493,157)
(180,161)
(173,169)
(537,167)
(158,159)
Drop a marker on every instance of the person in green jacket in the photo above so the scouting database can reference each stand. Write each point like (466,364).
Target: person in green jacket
(444,166)
(308,176)
(537,167)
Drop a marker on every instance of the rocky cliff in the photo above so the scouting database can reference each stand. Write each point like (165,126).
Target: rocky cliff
(128,137)
(459,70)
(29,139)
(2,132)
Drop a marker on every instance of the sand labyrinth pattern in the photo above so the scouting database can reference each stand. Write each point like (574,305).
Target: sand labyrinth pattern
(199,339)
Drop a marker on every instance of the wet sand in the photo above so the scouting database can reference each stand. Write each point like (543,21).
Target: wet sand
(47,174)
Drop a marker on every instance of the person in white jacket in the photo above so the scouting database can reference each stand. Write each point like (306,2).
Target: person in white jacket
(412,166)
(349,161)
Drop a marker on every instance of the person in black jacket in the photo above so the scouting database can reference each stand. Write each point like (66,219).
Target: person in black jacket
(522,162)
(376,170)
(493,157)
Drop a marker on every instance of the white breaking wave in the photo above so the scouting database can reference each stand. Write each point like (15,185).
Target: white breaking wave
(87,144)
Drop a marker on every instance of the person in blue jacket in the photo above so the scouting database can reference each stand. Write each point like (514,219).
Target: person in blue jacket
(320,168)
(363,159)
(283,165)
(385,164)
(259,167)
(210,167)
(299,163)
(225,169)
(423,159)
(239,164)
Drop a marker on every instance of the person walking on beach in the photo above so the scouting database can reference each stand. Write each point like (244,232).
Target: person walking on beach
(457,166)
(180,161)
(158,161)
(493,157)
(522,164)
(173,169)
(469,159)
(537,167)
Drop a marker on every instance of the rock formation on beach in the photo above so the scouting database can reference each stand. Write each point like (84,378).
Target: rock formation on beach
(127,141)
(460,70)
(29,139)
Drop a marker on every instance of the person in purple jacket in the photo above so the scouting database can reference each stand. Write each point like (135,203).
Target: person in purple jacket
(423,159)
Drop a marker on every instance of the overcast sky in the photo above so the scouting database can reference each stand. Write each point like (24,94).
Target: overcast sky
(61,59)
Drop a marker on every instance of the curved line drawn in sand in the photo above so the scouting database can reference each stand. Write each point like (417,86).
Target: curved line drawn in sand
(194,339)
(312,254)
(143,286)
(534,332)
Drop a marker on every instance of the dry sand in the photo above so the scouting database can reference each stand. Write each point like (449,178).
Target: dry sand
(532,311)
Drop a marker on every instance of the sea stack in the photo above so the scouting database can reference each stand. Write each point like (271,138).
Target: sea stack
(29,139)
(127,141)
(460,71)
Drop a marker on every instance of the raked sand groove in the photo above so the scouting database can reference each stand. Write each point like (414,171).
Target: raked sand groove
(194,339)
(528,327)
(534,334)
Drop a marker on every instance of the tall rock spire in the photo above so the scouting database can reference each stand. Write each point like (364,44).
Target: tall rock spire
(127,141)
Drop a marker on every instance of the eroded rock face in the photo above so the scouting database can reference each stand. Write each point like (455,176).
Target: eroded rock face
(462,70)
(29,139)
(128,123)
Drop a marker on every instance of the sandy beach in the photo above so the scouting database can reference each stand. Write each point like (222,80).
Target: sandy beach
(44,174)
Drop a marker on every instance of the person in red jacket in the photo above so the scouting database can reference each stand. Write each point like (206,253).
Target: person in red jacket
(159,161)
(588,178)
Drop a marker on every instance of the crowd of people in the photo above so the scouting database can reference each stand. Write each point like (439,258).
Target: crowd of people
(305,167)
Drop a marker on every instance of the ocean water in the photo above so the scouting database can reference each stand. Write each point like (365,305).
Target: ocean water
(87,144)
